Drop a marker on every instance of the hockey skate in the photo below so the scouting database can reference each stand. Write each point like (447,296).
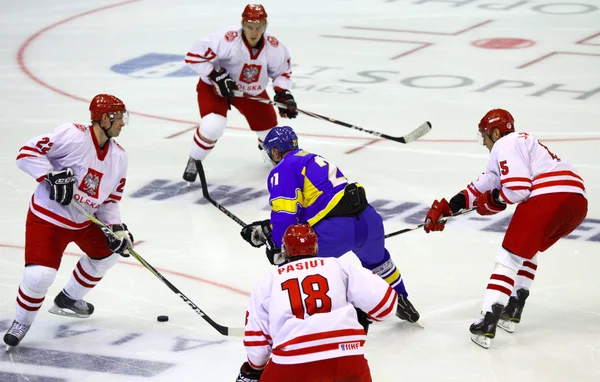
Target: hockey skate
(66,306)
(484,329)
(15,334)
(511,315)
(406,311)
(191,172)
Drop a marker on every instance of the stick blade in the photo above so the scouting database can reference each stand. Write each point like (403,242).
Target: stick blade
(419,132)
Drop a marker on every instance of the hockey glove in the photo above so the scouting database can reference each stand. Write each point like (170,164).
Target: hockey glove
(489,203)
(122,240)
(274,254)
(248,373)
(438,210)
(363,319)
(285,97)
(256,233)
(61,186)
(224,85)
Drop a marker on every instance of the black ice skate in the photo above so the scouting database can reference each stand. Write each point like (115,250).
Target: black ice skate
(406,311)
(483,330)
(66,306)
(511,315)
(191,172)
(15,334)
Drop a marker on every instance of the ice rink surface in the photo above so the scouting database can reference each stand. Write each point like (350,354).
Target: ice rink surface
(383,65)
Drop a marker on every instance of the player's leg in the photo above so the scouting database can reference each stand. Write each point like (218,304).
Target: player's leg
(371,251)
(261,117)
(213,113)
(44,245)
(88,272)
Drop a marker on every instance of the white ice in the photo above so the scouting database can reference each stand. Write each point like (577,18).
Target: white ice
(57,55)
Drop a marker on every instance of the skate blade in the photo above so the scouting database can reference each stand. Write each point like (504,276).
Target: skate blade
(508,326)
(482,341)
(67,313)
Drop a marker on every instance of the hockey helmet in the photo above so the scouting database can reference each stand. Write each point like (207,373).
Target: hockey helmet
(299,240)
(109,104)
(254,13)
(283,138)
(497,119)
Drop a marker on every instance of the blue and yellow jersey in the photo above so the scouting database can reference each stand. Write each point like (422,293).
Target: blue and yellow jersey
(304,188)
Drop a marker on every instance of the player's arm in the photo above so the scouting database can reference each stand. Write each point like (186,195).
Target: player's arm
(36,155)
(202,56)
(281,73)
(369,292)
(257,339)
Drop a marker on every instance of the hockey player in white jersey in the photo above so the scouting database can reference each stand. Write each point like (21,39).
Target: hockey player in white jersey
(307,320)
(551,203)
(238,58)
(73,164)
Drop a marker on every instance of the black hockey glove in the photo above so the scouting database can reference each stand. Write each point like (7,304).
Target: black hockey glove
(256,233)
(363,319)
(274,254)
(61,186)
(223,83)
(285,97)
(122,240)
(248,374)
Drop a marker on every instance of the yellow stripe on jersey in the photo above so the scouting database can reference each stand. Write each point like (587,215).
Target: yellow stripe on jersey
(282,204)
(311,193)
(301,153)
(393,277)
(332,203)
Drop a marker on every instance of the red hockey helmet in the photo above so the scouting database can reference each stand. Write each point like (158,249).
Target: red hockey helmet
(106,103)
(497,119)
(299,240)
(254,13)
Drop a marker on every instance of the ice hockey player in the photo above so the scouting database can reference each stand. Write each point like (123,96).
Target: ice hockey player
(303,316)
(73,164)
(306,188)
(551,203)
(238,58)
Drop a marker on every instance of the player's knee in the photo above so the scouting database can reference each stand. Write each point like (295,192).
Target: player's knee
(212,127)
(507,259)
(263,134)
(104,264)
(38,278)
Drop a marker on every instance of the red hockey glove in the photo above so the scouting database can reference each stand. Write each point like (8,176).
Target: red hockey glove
(489,203)
(437,211)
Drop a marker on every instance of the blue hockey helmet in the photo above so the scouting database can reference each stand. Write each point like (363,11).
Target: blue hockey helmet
(281,137)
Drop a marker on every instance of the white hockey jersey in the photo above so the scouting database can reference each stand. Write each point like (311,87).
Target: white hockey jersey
(521,167)
(304,311)
(101,175)
(249,68)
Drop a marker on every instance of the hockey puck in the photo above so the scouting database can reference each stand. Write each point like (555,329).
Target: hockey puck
(162,318)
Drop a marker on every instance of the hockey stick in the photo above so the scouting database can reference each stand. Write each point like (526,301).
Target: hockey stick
(422,224)
(206,195)
(412,136)
(224,330)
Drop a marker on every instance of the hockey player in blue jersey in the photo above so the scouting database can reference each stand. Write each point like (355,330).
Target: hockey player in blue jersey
(305,188)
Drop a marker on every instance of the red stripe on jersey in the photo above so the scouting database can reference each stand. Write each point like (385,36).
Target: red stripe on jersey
(87,275)
(256,366)
(286,75)
(58,218)
(324,335)
(250,333)
(195,62)
(504,197)
(558,173)
(387,310)
(27,155)
(506,279)
(257,343)
(553,183)
(473,190)
(530,265)
(517,188)
(315,349)
(30,300)
(115,197)
(377,307)
(508,180)
(526,274)
(27,148)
